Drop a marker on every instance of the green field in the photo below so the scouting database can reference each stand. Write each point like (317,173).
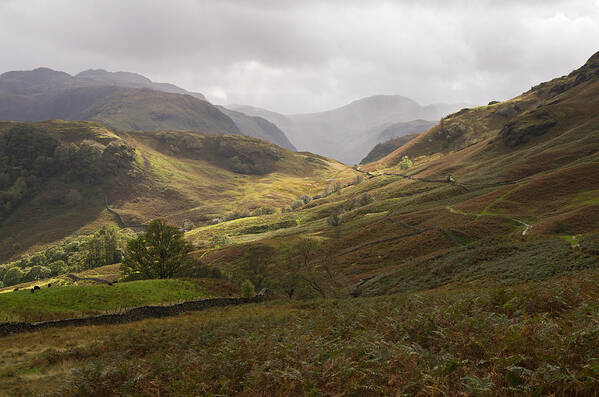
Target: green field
(80,300)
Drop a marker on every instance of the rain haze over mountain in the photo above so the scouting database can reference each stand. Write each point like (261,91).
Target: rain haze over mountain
(298,57)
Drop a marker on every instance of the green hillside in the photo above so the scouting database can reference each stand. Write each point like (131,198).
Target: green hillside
(489,189)
(149,110)
(55,185)
(463,263)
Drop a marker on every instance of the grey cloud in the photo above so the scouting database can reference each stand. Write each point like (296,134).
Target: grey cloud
(298,56)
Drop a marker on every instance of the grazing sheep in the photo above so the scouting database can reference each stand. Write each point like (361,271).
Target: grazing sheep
(36,287)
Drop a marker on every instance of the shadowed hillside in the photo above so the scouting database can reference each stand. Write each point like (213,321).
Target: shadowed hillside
(380,150)
(259,127)
(44,94)
(122,101)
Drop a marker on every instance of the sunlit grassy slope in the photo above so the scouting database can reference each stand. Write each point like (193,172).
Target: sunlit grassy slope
(175,175)
(522,170)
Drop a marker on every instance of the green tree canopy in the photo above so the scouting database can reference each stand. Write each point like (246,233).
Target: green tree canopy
(160,252)
(13,276)
(247,289)
(36,272)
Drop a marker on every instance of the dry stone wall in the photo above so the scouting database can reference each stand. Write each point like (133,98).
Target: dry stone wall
(138,313)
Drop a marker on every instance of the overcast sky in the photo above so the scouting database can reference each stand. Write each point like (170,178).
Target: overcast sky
(301,56)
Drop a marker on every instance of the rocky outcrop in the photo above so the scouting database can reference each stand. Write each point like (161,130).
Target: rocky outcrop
(520,131)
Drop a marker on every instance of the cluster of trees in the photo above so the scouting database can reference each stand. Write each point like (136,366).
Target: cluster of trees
(29,156)
(104,247)
(330,189)
(291,269)
(244,213)
(336,218)
(162,252)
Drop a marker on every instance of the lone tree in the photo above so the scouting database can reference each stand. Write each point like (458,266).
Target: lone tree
(160,252)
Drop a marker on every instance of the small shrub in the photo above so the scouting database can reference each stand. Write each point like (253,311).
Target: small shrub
(296,204)
(306,199)
(219,240)
(559,228)
(336,218)
(350,204)
(263,211)
(247,289)
(188,225)
(237,214)
(405,163)
(366,199)
(590,243)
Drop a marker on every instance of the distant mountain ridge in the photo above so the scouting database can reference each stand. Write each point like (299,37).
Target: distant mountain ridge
(259,127)
(382,149)
(133,80)
(397,130)
(122,101)
(347,133)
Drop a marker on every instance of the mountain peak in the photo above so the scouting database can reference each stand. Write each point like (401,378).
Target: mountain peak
(375,99)
(593,61)
(103,76)
(38,73)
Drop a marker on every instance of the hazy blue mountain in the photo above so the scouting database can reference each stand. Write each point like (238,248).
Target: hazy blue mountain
(259,127)
(349,132)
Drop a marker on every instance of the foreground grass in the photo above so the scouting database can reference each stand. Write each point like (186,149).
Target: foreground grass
(76,301)
(532,339)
